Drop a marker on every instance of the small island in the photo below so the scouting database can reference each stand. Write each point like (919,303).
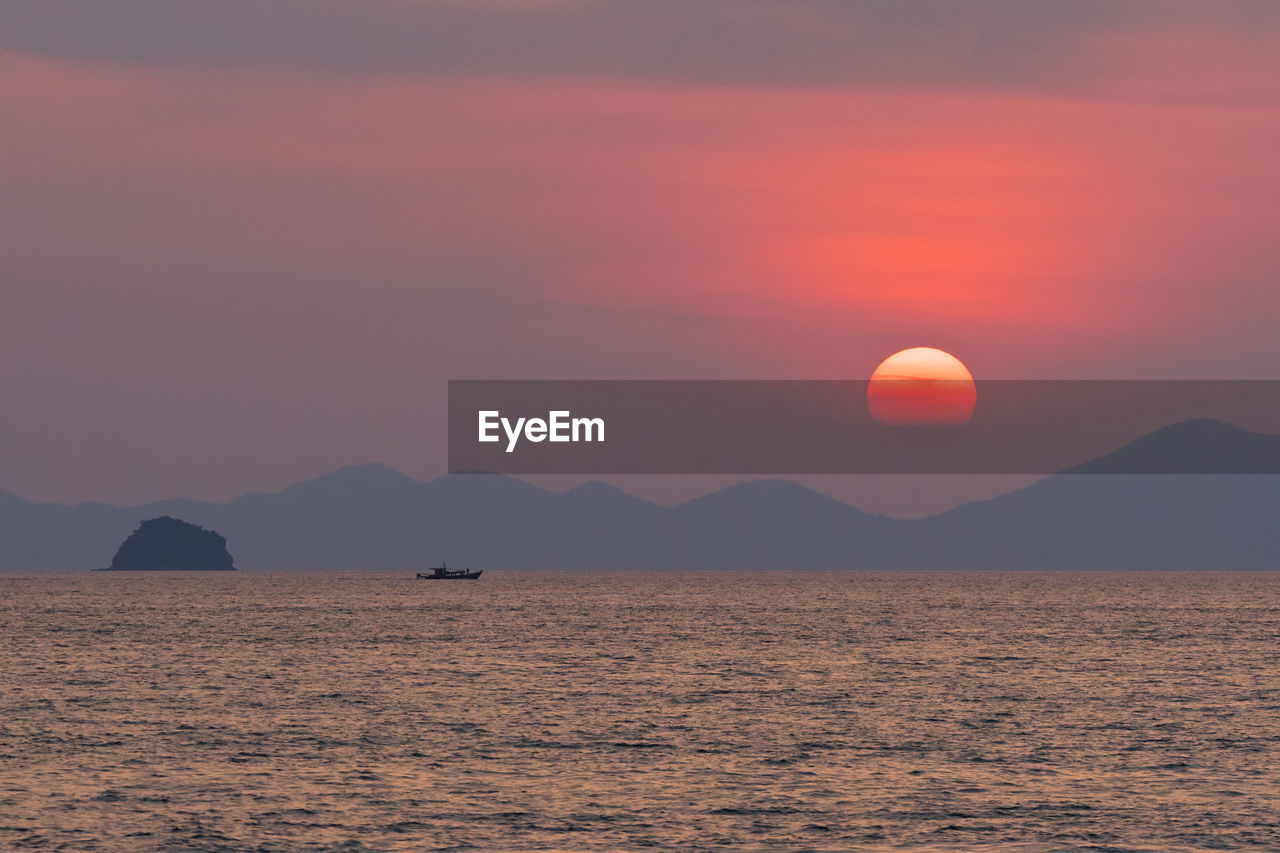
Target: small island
(168,544)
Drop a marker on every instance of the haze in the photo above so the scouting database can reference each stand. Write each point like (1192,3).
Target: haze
(246,243)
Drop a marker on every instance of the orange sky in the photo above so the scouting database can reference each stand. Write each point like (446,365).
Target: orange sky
(189,234)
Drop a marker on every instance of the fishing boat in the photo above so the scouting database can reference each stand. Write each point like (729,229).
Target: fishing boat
(443,573)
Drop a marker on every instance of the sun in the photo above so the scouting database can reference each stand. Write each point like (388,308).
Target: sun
(922,385)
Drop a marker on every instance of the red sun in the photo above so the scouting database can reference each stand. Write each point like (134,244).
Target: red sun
(922,385)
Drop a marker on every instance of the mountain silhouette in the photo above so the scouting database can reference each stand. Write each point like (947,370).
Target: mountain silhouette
(1200,446)
(370,517)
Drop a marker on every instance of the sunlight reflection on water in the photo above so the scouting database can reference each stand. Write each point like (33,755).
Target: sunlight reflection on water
(596,711)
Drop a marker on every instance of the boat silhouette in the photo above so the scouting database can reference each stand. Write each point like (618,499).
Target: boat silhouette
(443,573)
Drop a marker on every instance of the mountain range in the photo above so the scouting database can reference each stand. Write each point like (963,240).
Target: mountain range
(369,517)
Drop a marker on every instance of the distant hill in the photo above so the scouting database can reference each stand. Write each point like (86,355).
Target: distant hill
(371,517)
(1200,446)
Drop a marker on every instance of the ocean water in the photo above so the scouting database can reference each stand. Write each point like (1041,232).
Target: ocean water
(649,711)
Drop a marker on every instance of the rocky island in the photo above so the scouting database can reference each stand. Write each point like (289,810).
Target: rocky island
(168,544)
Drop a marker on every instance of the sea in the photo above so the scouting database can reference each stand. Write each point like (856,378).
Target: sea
(639,711)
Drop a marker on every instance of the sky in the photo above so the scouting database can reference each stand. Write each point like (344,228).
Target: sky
(245,243)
